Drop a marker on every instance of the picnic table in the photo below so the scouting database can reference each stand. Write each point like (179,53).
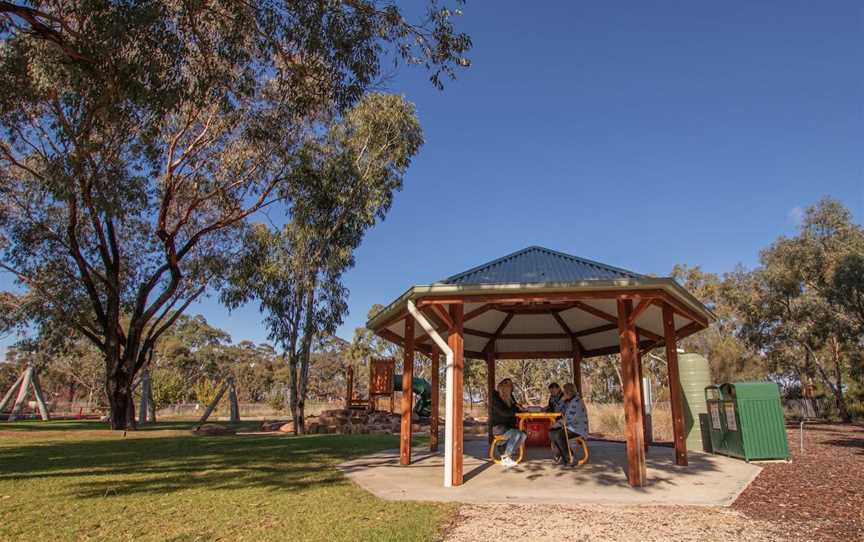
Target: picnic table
(536,426)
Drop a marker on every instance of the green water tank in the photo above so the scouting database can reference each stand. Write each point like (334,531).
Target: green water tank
(695,376)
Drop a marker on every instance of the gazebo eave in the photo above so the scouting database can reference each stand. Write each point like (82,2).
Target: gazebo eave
(548,291)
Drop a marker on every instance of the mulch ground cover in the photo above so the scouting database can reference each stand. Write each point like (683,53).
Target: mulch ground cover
(821,491)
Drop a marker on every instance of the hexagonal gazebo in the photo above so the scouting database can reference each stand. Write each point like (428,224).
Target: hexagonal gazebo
(541,304)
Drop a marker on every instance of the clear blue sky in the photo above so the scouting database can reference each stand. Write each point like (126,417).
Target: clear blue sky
(640,136)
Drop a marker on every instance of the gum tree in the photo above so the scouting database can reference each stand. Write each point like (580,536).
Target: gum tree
(342,184)
(137,138)
(793,308)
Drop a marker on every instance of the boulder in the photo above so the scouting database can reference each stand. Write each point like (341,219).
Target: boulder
(287,427)
(212,429)
(273,425)
(335,415)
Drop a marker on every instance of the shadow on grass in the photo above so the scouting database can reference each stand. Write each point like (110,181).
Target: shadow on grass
(105,467)
(96,425)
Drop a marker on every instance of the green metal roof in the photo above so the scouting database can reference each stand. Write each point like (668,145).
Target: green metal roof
(538,265)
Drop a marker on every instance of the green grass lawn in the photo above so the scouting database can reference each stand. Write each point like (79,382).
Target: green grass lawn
(79,481)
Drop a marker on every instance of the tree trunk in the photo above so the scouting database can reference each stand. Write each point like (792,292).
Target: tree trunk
(305,351)
(839,400)
(292,391)
(120,397)
(835,384)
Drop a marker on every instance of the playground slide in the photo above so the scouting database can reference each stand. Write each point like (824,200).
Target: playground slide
(423,389)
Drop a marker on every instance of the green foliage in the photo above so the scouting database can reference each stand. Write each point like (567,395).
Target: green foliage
(168,387)
(276,399)
(846,289)
(341,184)
(799,309)
(729,355)
(136,138)
(71,369)
(206,390)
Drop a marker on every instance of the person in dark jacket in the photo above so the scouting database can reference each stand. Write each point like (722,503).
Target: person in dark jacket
(574,415)
(555,395)
(504,409)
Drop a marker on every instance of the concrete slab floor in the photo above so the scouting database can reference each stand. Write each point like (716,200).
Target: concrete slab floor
(708,480)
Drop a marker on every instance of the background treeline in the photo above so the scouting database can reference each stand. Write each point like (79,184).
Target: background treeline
(797,319)
(186,367)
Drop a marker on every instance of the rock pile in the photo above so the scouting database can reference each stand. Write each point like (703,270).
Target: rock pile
(348,422)
(362,422)
(212,429)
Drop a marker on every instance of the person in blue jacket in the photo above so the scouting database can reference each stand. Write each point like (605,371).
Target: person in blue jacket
(575,416)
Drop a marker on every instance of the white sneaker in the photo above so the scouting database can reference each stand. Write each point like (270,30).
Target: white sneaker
(507,462)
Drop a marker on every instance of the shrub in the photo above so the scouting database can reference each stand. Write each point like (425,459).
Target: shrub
(205,391)
(276,398)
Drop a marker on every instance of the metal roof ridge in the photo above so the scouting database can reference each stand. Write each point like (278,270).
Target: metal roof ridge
(487,264)
(512,255)
(590,262)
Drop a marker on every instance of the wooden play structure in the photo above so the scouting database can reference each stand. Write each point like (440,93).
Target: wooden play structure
(29,379)
(384,382)
(382,372)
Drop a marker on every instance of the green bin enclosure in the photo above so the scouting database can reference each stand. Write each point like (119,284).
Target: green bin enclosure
(695,375)
(714,403)
(746,420)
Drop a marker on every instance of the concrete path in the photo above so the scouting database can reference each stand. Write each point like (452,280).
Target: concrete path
(709,480)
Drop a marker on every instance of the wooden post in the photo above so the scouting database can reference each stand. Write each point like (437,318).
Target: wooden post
(632,396)
(407,393)
(11,392)
(212,406)
(675,392)
(40,399)
(393,375)
(456,341)
(490,388)
(233,406)
(577,368)
(143,408)
(22,394)
(151,402)
(433,421)
(350,393)
(643,396)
